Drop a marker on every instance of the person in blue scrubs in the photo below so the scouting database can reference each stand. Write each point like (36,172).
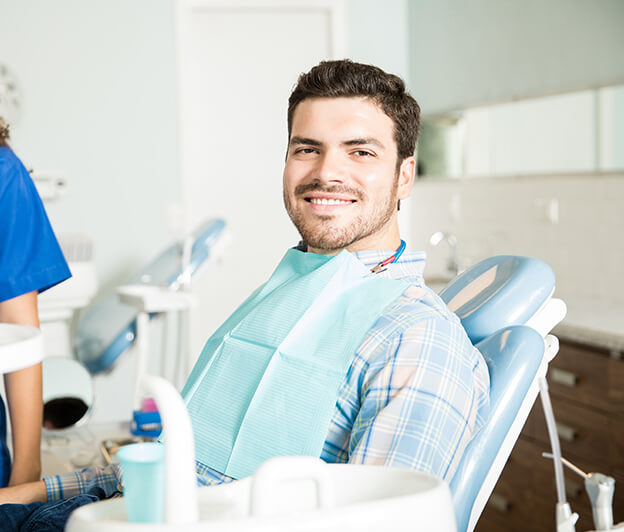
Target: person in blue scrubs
(31,261)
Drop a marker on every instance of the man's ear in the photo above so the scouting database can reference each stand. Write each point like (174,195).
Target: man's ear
(407,171)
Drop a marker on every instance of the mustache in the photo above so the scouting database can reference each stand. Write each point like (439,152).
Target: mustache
(336,189)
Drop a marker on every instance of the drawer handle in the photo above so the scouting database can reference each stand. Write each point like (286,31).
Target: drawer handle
(563,377)
(500,503)
(566,432)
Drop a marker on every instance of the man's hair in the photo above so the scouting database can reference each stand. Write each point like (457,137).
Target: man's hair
(345,78)
(4,132)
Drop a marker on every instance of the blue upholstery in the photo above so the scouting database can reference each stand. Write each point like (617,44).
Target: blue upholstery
(513,289)
(106,330)
(513,356)
(494,299)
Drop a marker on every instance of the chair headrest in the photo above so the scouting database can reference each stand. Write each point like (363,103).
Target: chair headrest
(499,292)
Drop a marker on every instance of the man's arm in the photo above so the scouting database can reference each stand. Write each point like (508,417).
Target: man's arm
(24,397)
(422,401)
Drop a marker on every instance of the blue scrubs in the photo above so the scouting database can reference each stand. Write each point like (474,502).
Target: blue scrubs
(30,256)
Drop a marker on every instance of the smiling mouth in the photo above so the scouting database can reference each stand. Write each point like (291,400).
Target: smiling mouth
(329,201)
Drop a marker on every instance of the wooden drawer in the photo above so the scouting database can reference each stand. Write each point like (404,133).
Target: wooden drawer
(508,504)
(583,433)
(589,377)
(512,505)
(616,384)
(617,445)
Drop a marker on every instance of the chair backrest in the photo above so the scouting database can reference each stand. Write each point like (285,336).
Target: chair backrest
(108,327)
(494,300)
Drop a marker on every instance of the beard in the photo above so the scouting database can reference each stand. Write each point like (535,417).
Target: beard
(324,232)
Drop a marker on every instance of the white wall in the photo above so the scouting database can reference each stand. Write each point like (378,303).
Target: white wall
(508,216)
(488,51)
(99,110)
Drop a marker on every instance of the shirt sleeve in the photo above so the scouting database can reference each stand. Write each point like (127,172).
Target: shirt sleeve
(71,484)
(30,256)
(423,401)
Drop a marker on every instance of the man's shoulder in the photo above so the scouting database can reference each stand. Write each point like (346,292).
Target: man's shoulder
(416,305)
(418,316)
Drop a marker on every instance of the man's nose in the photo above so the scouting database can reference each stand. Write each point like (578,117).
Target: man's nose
(331,168)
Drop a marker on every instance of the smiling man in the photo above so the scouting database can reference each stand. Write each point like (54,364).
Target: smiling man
(344,353)
(344,176)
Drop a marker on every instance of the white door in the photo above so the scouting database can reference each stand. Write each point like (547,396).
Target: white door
(238,61)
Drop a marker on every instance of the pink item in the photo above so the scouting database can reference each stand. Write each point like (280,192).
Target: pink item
(149,405)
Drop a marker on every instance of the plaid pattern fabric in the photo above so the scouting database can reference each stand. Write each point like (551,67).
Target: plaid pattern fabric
(72,484)
(416,393)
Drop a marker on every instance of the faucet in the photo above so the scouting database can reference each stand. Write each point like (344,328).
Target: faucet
(180,487)
(452,264)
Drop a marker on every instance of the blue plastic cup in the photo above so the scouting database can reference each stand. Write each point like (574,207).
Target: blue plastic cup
(143,474)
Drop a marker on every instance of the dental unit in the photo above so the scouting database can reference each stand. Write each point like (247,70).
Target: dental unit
(73,389)
(505,303)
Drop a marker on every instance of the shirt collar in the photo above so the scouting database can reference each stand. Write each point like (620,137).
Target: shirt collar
(409,267)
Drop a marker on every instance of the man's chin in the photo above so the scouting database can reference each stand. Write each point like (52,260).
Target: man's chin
(327,243)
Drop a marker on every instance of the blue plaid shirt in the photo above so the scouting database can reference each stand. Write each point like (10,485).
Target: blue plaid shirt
(414,396)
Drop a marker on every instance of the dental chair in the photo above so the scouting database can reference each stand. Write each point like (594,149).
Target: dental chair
(109,327)
(505,304)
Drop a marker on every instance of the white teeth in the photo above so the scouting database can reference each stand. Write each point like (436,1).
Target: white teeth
(325,201)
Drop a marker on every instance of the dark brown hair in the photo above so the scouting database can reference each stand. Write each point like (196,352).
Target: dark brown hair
(4,132)
(345,78)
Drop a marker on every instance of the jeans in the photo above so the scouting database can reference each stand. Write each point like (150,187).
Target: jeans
(44,516)
(5,457)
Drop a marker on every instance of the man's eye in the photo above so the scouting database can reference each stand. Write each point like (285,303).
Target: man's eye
(363,153)
(305,150)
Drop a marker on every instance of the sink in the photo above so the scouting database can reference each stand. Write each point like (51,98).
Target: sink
(302,494)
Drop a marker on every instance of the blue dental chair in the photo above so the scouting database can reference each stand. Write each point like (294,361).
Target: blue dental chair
(108,328)
(505,304)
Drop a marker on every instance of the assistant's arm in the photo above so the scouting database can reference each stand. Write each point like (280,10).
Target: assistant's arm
(24,397)
(423,402)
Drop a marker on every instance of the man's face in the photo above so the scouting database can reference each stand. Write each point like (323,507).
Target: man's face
(341,184)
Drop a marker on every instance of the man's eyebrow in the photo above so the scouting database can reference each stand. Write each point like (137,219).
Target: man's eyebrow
(303,140)
(363,141)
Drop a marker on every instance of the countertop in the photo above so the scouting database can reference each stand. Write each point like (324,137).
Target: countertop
(593,322)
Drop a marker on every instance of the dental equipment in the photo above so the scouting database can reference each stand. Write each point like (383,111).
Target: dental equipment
(149,300)
(600,489)
(289,493)
(505,304)
(108,328)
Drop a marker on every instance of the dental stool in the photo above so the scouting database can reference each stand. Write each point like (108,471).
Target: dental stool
(505,304)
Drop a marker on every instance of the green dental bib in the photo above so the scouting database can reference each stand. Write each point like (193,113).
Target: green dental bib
(267,380)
